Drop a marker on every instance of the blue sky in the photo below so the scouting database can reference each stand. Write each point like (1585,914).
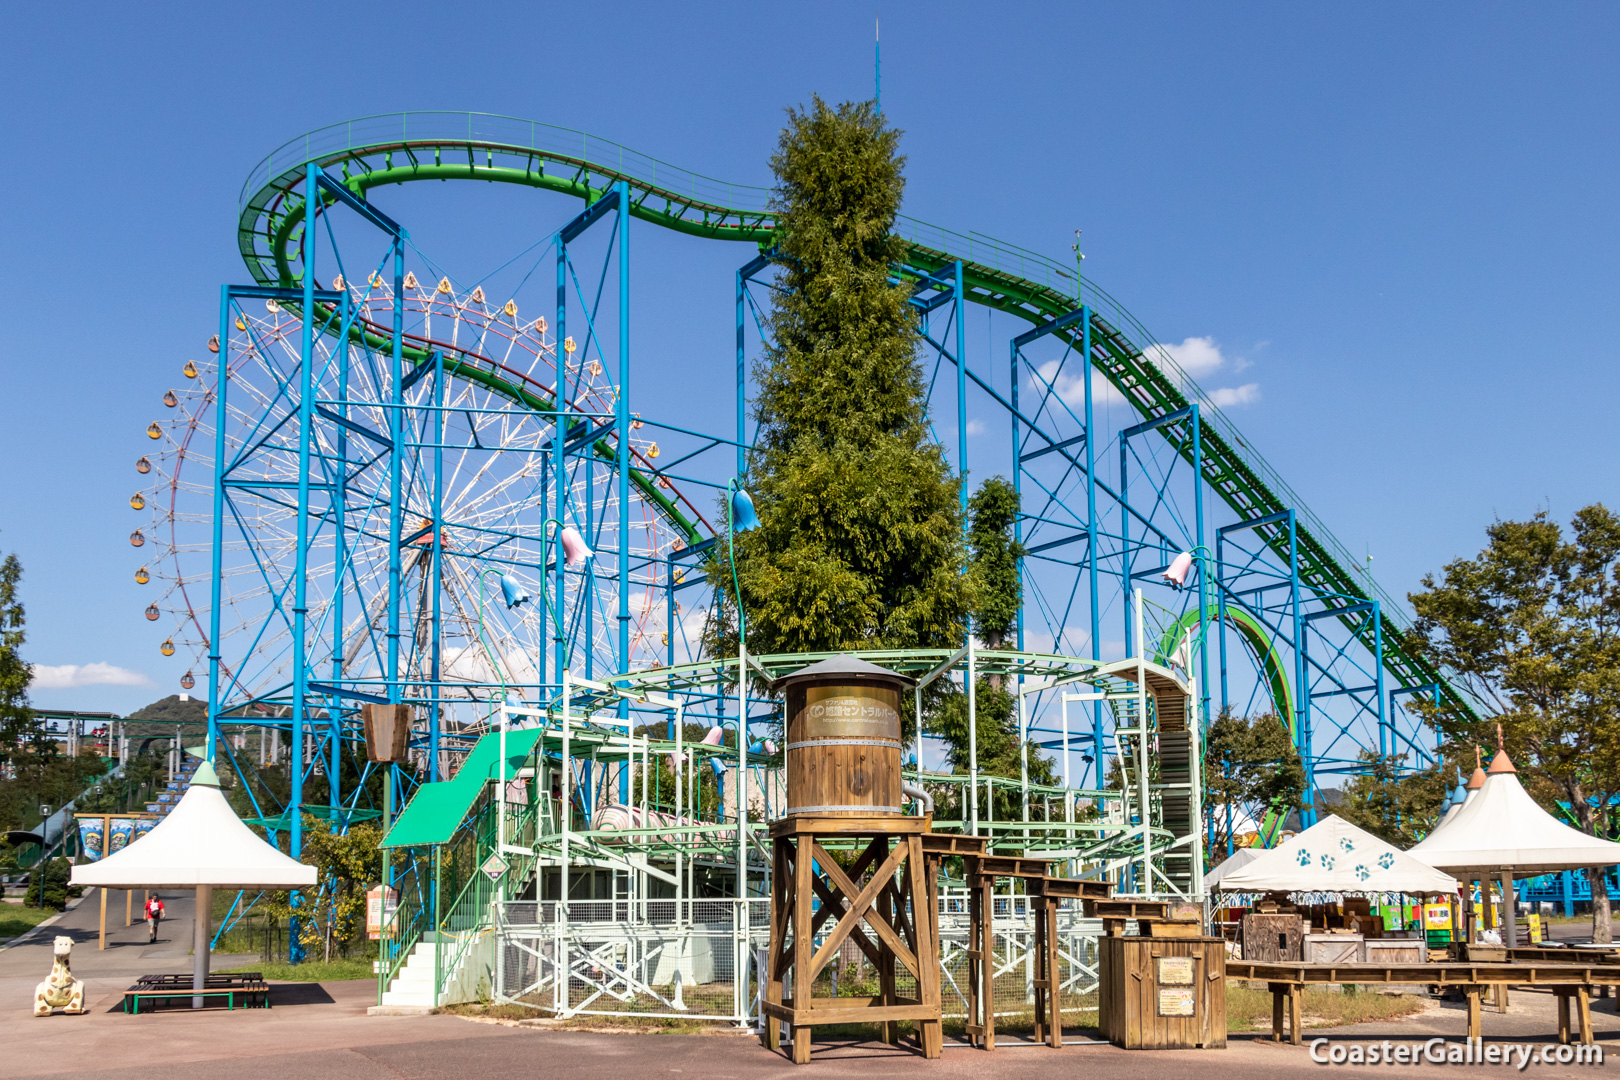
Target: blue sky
(1394,224)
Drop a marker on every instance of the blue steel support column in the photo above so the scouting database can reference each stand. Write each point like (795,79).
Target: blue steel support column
(742,380)
(437,565)
(1125,539)
(958,307)
(219,516)
(1384,720)
(1203,568)
(1092,549)
(1018,493)
(396,496)
(339,548)
(622,419)
(300,675)
(558,465)
(1302,692)
(1220,611)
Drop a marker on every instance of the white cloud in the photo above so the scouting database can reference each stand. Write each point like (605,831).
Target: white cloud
(975,427)
(1228,396)
(1070,385)
(1201,359)
(1197,356)
(71,676)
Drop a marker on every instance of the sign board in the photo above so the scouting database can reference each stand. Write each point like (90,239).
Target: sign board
(381,903)
(1437,916)
(870,712)
(1175,971)
(1176,1002)
(494,866)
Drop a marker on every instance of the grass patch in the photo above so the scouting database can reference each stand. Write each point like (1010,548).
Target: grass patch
(17,919)
(1248,1008)
(314,971)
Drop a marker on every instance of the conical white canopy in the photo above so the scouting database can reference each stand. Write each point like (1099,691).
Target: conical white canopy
(1335,856)
(1502,828)
(201,842)
(1240,858)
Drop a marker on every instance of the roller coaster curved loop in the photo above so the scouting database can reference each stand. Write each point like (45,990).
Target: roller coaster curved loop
(404,148)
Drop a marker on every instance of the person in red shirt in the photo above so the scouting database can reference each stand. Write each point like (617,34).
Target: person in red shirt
(154,915)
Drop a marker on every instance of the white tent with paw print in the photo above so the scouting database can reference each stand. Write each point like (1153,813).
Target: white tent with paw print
(1333,856)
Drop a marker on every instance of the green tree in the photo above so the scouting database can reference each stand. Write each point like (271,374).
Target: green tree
(20,730)
(1393,803)
(1250,765)
(997,732)
(860,540)
(332,916)
(995,553)
(1532,626)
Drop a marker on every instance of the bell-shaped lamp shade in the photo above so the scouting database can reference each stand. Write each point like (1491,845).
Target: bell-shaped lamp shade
(1180,566)
(743,517)
(575,549)
(713,736)
(513,591)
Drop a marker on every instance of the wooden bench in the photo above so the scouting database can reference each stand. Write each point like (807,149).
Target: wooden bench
(246,988)
(1571,982)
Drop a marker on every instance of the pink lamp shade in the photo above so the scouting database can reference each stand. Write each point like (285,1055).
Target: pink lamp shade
(1179,567)
(575,550)
(713,736)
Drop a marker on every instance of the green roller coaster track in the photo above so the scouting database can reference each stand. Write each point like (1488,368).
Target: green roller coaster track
(409,147)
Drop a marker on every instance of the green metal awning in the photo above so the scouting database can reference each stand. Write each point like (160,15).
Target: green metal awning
(437,810)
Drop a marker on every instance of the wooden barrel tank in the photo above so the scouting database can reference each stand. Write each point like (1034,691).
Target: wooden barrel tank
(843,738)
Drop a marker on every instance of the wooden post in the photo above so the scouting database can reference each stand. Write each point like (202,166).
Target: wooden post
(1583,1001)
(129,907)
(1277,992)
(1476,1022)
(1563,1015)
(103,891)
(1296,993)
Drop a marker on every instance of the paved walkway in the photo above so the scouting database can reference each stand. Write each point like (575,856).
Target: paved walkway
(318,1031)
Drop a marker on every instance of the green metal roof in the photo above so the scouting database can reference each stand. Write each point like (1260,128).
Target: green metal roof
(437,810)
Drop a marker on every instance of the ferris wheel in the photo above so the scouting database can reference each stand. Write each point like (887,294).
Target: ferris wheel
(478,499)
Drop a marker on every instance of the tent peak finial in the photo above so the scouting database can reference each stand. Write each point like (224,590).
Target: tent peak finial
(1477,781)
(1501,763)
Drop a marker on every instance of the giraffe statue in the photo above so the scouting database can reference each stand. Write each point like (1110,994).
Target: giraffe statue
(60,990)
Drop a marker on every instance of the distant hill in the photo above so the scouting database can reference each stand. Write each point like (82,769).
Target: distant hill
(161,716)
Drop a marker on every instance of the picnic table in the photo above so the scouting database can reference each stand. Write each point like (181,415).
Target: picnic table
(245,988)
(1572,982)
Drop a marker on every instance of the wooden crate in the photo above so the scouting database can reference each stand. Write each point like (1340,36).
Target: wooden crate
(1395,951)
(1333,948)
(1271,938)
(1162,993)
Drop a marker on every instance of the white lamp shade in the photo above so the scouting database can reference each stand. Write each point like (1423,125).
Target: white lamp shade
(1179,568)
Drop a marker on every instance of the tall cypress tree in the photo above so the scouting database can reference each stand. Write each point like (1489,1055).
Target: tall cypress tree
(20,730)
(860,540)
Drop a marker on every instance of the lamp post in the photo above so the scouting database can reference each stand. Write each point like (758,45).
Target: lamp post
(575,552)
(515,595)
(740,519)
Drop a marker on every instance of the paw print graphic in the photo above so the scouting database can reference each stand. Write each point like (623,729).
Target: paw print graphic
(1347,843)
(1362,874)
(1327,862)
(1304,857)
(1386,860)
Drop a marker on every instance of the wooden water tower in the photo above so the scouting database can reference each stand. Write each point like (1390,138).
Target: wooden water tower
(843,785)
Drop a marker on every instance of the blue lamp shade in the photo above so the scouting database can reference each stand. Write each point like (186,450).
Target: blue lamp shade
(513,591)
(743,517)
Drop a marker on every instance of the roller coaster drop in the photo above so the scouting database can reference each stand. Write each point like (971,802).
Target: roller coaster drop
(381,472)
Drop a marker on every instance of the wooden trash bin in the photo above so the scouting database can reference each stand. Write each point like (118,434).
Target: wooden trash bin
(1162,993)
